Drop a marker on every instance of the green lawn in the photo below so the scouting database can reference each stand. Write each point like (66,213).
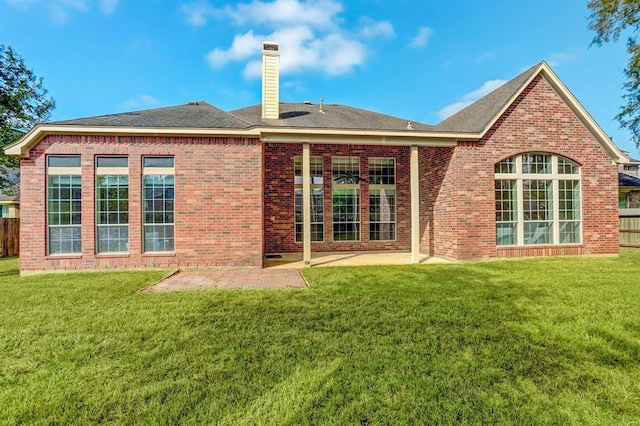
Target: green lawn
(543,341)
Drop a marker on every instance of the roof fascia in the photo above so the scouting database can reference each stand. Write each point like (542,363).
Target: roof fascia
(21,147)
(369,137)
(583,115)
(572,102)
(359,139)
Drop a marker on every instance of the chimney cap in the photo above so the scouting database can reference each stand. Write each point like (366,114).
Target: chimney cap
(270,47)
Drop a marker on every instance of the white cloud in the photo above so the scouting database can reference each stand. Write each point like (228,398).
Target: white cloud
(301,51)
(60,11)
(558,58)
(422,38)
(197,13)
(311,35)
(140,101)
(314,13)
(486,88)
(243,47)
(373,29)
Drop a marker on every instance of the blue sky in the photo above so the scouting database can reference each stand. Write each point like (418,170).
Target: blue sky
(420,60)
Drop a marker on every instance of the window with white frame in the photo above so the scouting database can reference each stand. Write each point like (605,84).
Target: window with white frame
(4,211)
(64,204)
(112,204)
(158,207)
(345,172)
(537,200)
(317,199)
(382,199)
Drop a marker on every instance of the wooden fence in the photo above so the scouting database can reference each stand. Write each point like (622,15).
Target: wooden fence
(630,228)
(9,237)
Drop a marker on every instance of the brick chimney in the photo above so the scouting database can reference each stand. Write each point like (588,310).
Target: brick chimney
(270,80)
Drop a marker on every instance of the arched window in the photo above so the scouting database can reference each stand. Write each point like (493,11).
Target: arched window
(537,200)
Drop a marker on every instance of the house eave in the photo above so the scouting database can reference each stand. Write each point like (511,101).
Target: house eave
(266,134)
(361,137)
(23,145)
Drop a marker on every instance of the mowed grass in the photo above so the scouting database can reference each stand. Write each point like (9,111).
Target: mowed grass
(542,341)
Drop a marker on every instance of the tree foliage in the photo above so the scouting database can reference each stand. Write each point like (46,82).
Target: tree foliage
(23,103)
(610,19)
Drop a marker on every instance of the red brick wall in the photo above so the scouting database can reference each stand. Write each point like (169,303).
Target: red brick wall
(218,216)
(279,200)
(460,221)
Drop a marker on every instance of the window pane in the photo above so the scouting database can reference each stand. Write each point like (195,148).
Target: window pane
(63,161)
(382,214)
(382,171)
(506,212)
(506,166)
(506,233)
(158,208)
(540,220)
(112,162)
(345,170)
(538,200)
(346,214)
(64,240)
(317,215)
(506,201)
(316,166)
(569,199)
(64,205)
(567,167)
(536,163)
(158,162)
(158,238)
(112,213)
(113,239)
(538,232)
(569,232)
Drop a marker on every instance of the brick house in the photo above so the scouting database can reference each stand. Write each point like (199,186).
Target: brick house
(524,171)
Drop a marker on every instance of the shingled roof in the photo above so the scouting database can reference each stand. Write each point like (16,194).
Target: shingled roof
(192,115)
(627,180)
(475,117)
(329,116)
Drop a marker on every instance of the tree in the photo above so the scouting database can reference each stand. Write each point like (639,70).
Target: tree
(23,103)
(609,19)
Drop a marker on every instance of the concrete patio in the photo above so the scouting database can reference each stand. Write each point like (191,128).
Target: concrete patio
(280,272)
(294,260)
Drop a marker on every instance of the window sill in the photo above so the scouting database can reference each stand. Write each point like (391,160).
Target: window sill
(63,256)
(541,245)
(105,255)
(159,254)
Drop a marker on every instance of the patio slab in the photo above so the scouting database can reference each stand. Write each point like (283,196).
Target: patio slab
(236,278)
(319,259)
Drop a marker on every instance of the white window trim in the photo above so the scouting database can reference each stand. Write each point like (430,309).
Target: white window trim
(554,177)
(356,186)
(111,171)
(63,171)
(314,185)
(387,187)
(149,171)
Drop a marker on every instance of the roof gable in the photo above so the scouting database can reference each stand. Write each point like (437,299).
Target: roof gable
(476,117)
(479,117)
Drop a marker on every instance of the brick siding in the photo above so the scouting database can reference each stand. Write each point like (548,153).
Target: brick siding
(218,202)
(458,201)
